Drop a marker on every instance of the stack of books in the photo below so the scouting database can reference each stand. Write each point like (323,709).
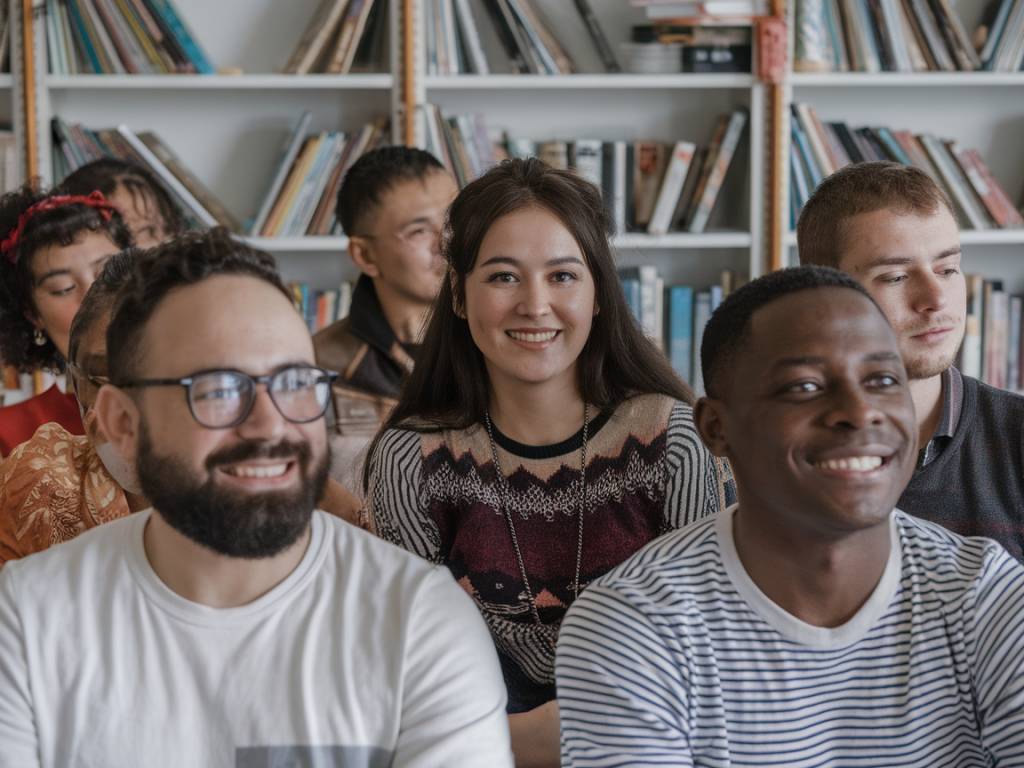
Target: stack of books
(301,197)
(819,149)
(321,308)
(648,186)
(104,37)
(993,335)
(343,37)
(674,317)
(715,35)
(74,146)
(1002,36)
(454,45)
(881,36)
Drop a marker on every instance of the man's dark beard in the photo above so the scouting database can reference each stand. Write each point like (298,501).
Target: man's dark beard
(232,523)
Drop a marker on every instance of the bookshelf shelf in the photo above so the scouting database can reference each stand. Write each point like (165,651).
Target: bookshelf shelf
(298,244)
(968,237)
(629,241)
(684,240)
(916,79)
(218,82)
(586,82)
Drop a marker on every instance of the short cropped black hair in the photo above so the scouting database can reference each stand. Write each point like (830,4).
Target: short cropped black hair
(375,173)
(729,326)
(109,173)
(187,260)
(100,297)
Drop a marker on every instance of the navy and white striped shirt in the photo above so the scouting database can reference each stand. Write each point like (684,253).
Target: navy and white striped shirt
(676,658)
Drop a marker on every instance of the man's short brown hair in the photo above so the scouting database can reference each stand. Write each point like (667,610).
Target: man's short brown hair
(862,188)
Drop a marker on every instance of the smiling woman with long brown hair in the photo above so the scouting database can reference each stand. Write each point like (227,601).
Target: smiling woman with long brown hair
(542,438)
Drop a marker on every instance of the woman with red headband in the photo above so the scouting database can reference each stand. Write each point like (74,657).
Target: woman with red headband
(52,247)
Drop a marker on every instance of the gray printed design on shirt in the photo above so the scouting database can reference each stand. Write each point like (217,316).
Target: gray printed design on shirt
(312,757)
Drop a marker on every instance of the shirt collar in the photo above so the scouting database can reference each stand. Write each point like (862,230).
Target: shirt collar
(949,417)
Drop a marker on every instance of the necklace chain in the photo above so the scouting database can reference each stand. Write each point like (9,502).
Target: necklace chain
(503,486)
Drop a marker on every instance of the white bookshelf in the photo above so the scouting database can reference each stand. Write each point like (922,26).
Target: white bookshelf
(240,82)
(979,110)
(593,104)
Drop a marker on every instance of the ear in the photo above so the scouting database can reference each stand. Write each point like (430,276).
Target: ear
(118,418)
(361,253)
(708,415)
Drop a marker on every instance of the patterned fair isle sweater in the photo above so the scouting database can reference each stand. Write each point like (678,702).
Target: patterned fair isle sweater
(437,494)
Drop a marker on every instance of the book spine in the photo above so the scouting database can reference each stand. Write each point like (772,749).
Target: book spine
(671,187)
(166,176)
(182,35)
(701,315)
(723,161)
(1013,381)
(471,36)
(604,49)
(680,335)
(288,154)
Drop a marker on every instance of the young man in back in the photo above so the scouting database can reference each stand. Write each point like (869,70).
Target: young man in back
(893,229)
(392,205)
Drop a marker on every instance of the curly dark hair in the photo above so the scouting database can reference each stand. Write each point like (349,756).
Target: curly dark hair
(109,173)
(56,227)
(186,260)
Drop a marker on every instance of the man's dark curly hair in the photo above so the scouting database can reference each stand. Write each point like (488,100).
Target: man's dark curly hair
(60,226)
(729,326)
(187,260)
(375,173)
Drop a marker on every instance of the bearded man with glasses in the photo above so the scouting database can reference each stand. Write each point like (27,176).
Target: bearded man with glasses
(234,624)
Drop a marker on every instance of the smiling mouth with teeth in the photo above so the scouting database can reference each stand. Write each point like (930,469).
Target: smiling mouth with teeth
(534,338)
(258,471)
(852,464)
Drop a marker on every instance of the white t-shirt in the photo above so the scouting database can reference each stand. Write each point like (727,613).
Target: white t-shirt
(364,656)
(677,658)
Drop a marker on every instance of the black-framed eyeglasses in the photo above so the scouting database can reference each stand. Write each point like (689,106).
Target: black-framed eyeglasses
(219,399)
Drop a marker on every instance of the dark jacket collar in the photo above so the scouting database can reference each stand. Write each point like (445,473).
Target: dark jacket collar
(367,317)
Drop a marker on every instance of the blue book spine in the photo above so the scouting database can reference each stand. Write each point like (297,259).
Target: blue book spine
(81,32)
(893,146)
(177,27)
(804,146)
(680,330)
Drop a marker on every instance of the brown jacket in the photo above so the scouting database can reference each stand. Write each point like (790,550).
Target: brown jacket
(371,362)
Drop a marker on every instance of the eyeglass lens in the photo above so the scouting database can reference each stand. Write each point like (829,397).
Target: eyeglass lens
(224,398)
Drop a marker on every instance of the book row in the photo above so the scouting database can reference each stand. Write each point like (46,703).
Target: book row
(993,335)
(320,308)
(648,186)
(820,148)
(301,197)
(882,36)
(75,145)
(120,37)
(1001,36)
(343,37)
(673,317)
(456,32)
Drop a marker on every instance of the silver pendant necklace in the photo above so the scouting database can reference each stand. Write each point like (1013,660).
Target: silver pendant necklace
(503,483)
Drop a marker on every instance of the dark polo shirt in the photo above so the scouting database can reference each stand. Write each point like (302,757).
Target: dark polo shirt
(970,475)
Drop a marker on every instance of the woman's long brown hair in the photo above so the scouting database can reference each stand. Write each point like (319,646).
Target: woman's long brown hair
(449,386)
